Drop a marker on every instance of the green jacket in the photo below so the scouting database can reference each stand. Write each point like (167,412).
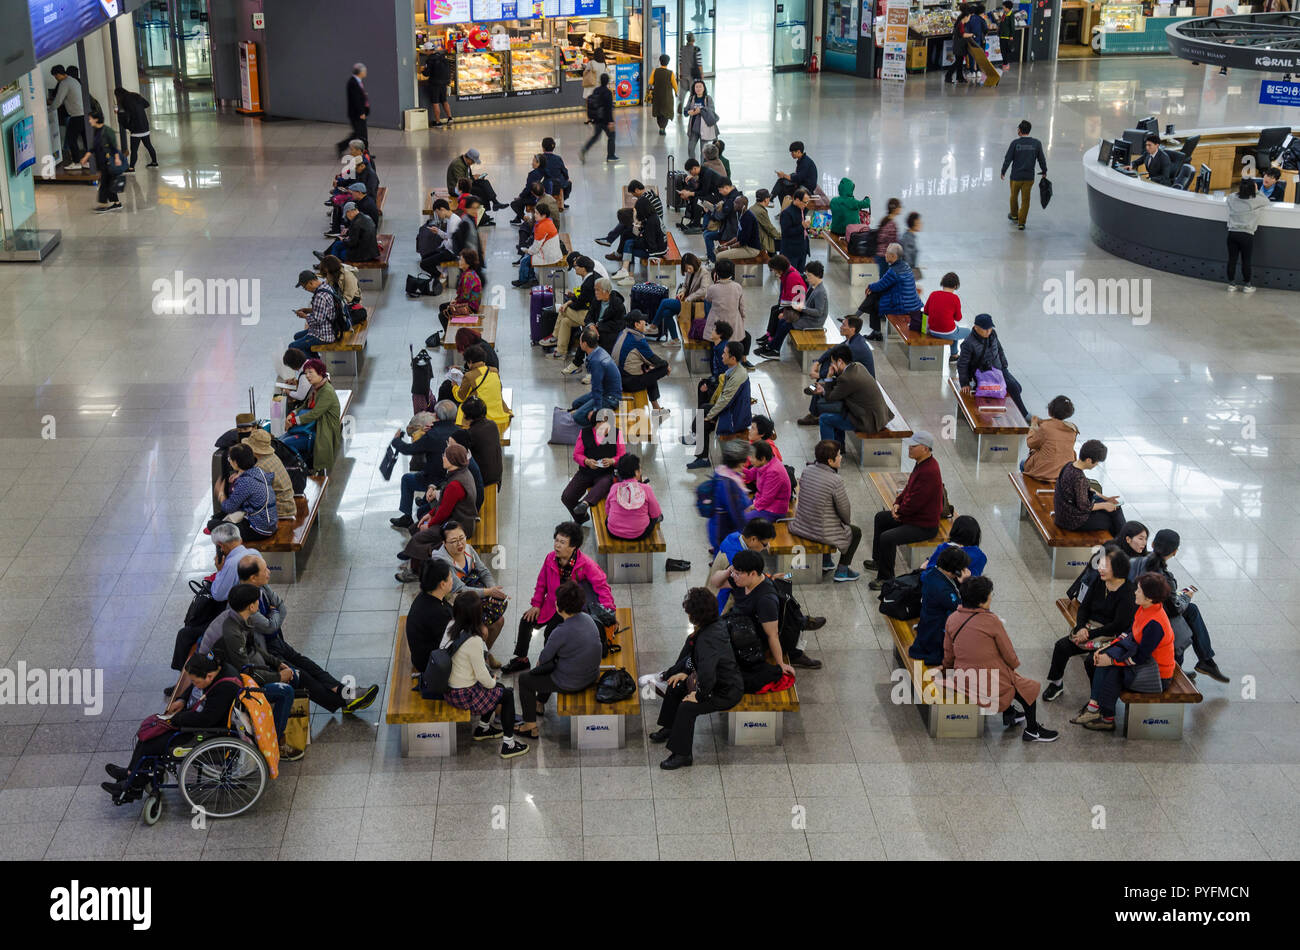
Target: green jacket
(329,427)
(845,208)
(458,169)
(768,234)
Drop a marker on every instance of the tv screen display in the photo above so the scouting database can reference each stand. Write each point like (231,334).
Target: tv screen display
(1103,154)
(24,144)
(448,11)
(60,23)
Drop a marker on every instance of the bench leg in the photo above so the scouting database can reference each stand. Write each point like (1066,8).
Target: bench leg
(803,568)
(809,360)
(953,720)
(751,275)
(998,448)
(371,278)
(1153,721)
(859,276)
(880,454)
(283,565)
(597,732)
(755,728)
(697,361)
(638,568)
(657,272)
(1068,562)
(426,739)
(342,362)
(926,357)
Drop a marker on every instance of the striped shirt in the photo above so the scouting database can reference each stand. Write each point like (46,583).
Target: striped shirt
(320,322)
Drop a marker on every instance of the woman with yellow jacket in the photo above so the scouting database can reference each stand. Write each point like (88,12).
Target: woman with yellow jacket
(483,381)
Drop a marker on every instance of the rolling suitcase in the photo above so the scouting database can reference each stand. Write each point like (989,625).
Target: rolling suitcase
(674,181)
(646,298)
(540,300)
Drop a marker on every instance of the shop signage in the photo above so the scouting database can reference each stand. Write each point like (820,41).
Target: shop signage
(529,92)
(1279,93)
(480,95)
(11,105)
(894,65)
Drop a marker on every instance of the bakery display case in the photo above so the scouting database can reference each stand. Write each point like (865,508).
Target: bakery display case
(480,74)
(533,69)
(1122,18)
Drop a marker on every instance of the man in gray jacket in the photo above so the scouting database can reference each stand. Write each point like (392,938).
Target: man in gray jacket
(823,511)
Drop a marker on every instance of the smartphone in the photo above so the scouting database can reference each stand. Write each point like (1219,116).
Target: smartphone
(1190,590)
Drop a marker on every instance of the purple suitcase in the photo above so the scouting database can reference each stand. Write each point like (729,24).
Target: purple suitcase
(539,299)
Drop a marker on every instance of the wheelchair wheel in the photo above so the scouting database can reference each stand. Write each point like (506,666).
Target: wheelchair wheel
(223,777)
(152,809)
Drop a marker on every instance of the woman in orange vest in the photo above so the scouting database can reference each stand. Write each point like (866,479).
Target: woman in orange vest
(1141,660)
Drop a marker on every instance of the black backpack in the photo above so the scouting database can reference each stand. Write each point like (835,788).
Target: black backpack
(340,321)
(437,675)
(293,464)
(745,641)
(900,597)
(862,244)
(790,616)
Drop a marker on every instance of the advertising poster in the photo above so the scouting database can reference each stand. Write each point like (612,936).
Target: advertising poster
(24,144)
(448,11)
(627,83)
(894,64)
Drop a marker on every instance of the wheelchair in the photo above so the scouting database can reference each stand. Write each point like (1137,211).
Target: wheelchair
(220,772)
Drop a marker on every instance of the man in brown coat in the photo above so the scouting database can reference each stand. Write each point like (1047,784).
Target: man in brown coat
(861,403)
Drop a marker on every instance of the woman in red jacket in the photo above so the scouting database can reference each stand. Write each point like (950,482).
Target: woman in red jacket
(1141,661)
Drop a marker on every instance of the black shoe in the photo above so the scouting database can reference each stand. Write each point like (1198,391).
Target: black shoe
(117,772)
(1011,217)
(1020,227)
(1042,734)
(1053,692)
(498,206)
(803,660)
(814,623)
(868,565)
(403,522)
(152,165)
(604,242)
(516,220)
(676,564)
(676,761)
(484,731)
(1211,669)
(878,583)
(808,420)
(364,700)
(319,255)
(660,735)
(767,354)
(1012,717)
(487,222)
(516,665)
(875,337)
(581,512)
(612,158)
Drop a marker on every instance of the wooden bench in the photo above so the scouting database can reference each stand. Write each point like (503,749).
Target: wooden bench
(749,270)
(345,356)
(799,557)
(1158,715)
(1076,547)
(372,275)
(811,344)
(698,353)
(594,725)
(428,725)
(484,537)
(507,400)
(759,718)
(485,326)
(923,351)
(999,427)
(625,562)
(291,538)
(663,269)
(635,419)
(862,270)
(434,195)
(945,710)
(887,486)
(886,446)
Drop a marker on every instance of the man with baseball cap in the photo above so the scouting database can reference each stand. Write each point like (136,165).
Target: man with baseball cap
(462,169)
(360,242)
(319,316)
(915,514)
(358,194)
(981,352)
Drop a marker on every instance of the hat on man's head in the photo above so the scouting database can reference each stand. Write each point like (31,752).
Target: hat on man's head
(921,437)
(984,321)
(305,277)
(350,206)
(259,440)
(472,155)
(457,454)
(245,419)
(358,186)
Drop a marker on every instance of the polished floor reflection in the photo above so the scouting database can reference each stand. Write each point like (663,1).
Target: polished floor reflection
(98,524)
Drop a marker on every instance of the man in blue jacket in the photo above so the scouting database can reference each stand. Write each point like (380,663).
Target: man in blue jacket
(895,292)
(606,383)
(557,175)
(939,598)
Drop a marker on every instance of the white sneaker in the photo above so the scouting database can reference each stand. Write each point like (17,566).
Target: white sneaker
(548,341)
(620,274)
(569,369)
(1249,288)
(1232,288)
(71,167)
(586,379)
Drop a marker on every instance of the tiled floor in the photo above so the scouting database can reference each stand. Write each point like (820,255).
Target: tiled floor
(98,525)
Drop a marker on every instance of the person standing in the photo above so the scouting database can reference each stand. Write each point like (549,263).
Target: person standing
(67,96)
(438,71)
(701,117)
(663,93)
(690,67)
(1007,34)
(1243,219)
(134,118)
(958,50)
(358,107)
(105,149)
(600,110)
(1022,153)
(794,233)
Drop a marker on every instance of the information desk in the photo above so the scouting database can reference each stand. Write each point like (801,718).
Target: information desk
(1184,232)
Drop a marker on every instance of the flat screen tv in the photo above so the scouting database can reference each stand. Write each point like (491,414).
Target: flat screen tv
(22,144)
(60,23)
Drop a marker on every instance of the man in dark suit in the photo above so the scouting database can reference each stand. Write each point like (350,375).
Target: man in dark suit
(358,106)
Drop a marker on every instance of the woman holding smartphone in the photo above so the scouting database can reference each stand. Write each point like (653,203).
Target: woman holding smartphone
(596,452)
(1105,612)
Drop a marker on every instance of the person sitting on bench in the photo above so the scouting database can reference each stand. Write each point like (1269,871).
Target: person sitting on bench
(705,679)
(557,174)
(975,640)
(471,685)
(701,189)
(982,351)
(722,224)
(1105,611)
(457,501)
(824,513)
(965,534)
(1050,441)
(754,595)
(1179,606)
(360,240)
(696,281)
(745,243)
(793,288)
(430,612)
(1075,505)
(1140,660)
(851,330)
(247,498)
(572,314)
(470,572)
(638,365)
(729,410)
(606,381)
(940,596)
(915,514)
(462,167)
(893,293)
(804,175)
(570,658)
(564,563)
(429,432)
(772,484)
(805,312)
(365,203)
(527,197)
(435,242)
(632,511)
(852,400)
(596,453)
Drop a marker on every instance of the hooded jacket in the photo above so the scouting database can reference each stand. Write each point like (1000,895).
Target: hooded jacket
(845,208)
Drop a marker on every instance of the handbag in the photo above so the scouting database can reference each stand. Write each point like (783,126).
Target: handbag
(389,462)
(990,383)
(564,430)
(614,686)
(698,320)
(1144,678)
(152,727)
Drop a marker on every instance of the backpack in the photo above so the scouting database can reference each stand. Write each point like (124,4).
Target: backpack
(630,495)
(704,503)
(790,616)
(293,464)
(862,243)
(437,675)
(745,641)
(340,322)
(900,597)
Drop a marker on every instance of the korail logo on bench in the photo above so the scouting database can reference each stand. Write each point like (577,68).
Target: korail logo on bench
(211,297)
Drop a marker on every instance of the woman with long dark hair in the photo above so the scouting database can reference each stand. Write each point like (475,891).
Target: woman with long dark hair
(471,684)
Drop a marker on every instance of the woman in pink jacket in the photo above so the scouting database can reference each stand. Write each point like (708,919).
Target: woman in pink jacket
(596,455)
(793,288)
(631,509)
(566,562)
(976,644)
(772,498)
